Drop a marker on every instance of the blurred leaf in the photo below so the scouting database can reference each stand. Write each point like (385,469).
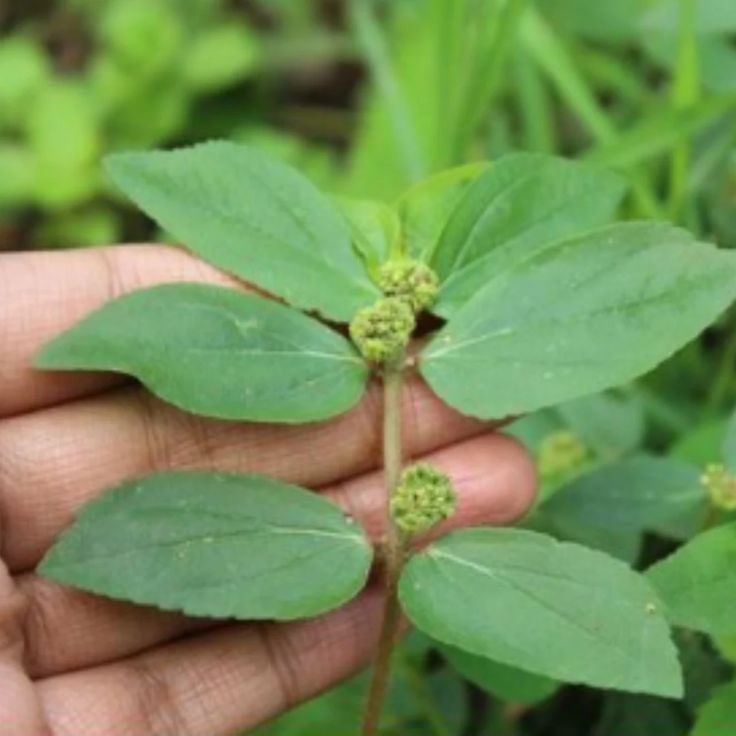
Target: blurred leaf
(220,57)
(712,16)
(336,713)
(609,22)
(218,352)
(718,716)
(698,582)
(701,445)
(64,139)
(729,444)
(716,58)
(93,225)
(704,667)
(144,36)
(24,71)
(244,211)
(636,495)
(612,426)
(655,134)
(507,683)
(556,609)
(521,204)
(578,317)
(18,175)
(195,542)
(533,428)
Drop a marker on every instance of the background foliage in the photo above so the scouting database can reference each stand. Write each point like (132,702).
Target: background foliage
(366,98)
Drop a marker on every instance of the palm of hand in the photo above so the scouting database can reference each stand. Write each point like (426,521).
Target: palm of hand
(72,664)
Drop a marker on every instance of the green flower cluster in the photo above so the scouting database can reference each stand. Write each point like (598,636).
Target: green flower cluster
(561,452)
(423,498)
(721,486)
(382,331)
(407,279)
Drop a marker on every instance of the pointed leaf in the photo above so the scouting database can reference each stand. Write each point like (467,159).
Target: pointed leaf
(375,227)
(581,316)
(555,609)
(635,495)
(253,216)
(214,544)
(218,352)
(698,582)
(521,204)
(427,206)
(508,683)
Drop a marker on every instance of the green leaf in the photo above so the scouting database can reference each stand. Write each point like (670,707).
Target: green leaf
(701,444)
(221,56)
(521,204)
(698,582)
(609,425)
(375,227)
(581,316)
(214,544)
(508,683)
(24,71)
(218,352)
(729,444)
(63,135)
(253,216)
(636,495)
(551,608)
(718,716)
(426,207)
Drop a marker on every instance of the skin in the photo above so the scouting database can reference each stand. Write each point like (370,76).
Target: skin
(72,664)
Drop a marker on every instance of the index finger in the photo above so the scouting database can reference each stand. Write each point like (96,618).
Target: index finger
(45,292)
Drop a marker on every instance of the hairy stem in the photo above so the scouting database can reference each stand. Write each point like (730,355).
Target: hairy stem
(394,550)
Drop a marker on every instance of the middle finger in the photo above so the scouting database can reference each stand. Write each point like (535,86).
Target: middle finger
(53,461)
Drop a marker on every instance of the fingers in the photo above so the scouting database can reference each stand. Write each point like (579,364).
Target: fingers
(495,483)
(238,675)
(20,709)
(44,293)
(216,683)
(52,462)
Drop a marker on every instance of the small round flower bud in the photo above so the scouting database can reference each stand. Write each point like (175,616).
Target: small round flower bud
(561,452)
(410,280)
(423,498)
(382,331)
(721,486)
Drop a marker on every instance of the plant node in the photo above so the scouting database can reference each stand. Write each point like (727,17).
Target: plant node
(382,331)
(423,498)
(721,486)
(407,279)
(561,452)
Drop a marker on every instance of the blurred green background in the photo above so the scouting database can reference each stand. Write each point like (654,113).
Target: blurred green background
(366,97)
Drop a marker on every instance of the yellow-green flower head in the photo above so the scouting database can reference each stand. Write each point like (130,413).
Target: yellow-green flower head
(410,280)
(423,498)
(561,452)
(721,486)
(382,331)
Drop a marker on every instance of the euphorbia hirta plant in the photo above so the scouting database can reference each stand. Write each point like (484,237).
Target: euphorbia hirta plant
(536,299)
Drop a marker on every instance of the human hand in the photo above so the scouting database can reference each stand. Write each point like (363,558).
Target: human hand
(73,664)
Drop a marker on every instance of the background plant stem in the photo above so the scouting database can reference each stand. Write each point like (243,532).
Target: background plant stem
(394,548)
